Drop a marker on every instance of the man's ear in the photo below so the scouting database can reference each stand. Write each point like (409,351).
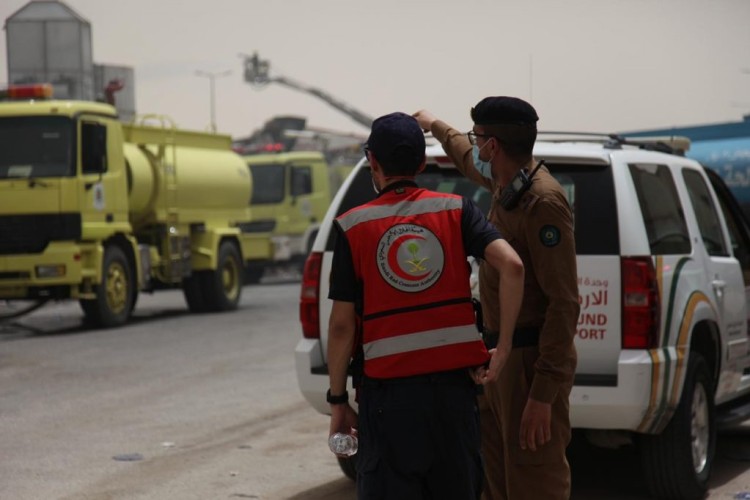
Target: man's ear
(497,146)
(422,166)
(374,165)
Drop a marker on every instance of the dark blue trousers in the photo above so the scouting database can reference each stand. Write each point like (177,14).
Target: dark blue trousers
(419,438)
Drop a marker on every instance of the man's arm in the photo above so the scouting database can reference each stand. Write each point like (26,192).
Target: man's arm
(341,331)
(455,144)
(341,334)
(342,322)
(551,243)
(500,255)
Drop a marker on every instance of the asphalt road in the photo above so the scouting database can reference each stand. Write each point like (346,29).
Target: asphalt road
(181,406)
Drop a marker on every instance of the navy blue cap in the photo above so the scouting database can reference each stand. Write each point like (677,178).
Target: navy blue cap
(503,110)
(397,141)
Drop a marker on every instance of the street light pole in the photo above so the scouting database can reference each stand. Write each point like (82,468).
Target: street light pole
(212,79)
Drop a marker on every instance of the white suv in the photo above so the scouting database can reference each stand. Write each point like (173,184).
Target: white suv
(663,264)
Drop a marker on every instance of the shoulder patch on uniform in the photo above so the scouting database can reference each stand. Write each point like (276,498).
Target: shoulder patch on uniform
(549,235)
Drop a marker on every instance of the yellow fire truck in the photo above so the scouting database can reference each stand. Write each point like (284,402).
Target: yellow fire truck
(291,194)
(94,209)
(296,172)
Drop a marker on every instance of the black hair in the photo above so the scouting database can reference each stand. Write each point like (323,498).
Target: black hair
(517,141)
(401,162)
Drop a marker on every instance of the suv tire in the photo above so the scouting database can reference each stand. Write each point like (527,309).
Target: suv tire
(349,466)
(677,462)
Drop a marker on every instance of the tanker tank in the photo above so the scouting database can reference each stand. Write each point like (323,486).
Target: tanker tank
(202,180)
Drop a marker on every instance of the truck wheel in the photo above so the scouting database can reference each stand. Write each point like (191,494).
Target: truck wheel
(115,294)
(192,289)
(677,463)
(135,297)
(222,288)
(348,466)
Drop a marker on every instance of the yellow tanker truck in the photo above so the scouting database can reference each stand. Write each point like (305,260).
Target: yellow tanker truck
(95,210)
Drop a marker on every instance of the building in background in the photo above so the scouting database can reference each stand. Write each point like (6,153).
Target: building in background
(48,42)
(723,147)
(291,133)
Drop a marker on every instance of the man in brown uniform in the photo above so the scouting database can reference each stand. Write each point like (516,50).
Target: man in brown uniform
(527,428)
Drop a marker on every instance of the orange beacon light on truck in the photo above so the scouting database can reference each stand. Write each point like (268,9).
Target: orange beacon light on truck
(33,91)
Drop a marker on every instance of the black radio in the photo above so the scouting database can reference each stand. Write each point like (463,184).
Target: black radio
(521,182)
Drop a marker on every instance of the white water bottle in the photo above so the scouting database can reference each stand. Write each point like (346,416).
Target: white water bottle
(343,444)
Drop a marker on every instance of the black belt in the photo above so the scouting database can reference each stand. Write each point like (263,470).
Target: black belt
(460,376)
(522,337)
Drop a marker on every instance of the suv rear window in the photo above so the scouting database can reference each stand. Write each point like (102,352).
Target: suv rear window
(589,189)
(662,212)
(591,195)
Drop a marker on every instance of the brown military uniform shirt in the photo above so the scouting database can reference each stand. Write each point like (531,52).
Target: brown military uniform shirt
(540,229)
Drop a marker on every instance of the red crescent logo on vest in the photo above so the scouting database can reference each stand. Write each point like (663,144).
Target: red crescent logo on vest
(410,258)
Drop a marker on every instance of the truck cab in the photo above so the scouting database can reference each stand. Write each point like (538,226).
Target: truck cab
(47,201)
(291,194)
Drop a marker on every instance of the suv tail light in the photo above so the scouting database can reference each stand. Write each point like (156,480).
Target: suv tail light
(309,300)
(640,303)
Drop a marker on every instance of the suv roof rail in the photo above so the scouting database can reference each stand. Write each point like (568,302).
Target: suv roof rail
(672,144)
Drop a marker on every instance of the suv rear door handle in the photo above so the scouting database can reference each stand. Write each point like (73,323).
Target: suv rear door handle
(719,286)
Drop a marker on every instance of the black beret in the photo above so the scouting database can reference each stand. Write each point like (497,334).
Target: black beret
(503,110)
(397,138)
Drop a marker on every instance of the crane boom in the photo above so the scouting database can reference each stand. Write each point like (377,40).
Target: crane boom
(257,75)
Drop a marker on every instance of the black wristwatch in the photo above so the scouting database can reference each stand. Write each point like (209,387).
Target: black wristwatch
(337,400)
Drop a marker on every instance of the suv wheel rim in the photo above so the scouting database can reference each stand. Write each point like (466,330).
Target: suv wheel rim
(699,429)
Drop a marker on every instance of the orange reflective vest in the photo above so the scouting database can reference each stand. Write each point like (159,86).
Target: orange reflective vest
(407,250)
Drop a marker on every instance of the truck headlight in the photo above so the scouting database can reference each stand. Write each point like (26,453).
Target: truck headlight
(50,271)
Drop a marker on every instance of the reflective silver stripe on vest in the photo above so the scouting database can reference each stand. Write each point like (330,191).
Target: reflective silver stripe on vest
(422,340)
(404,207)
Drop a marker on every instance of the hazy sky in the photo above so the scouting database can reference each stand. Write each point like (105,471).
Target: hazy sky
(586,65)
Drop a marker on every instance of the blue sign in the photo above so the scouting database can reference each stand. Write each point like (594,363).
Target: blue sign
(730,158)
